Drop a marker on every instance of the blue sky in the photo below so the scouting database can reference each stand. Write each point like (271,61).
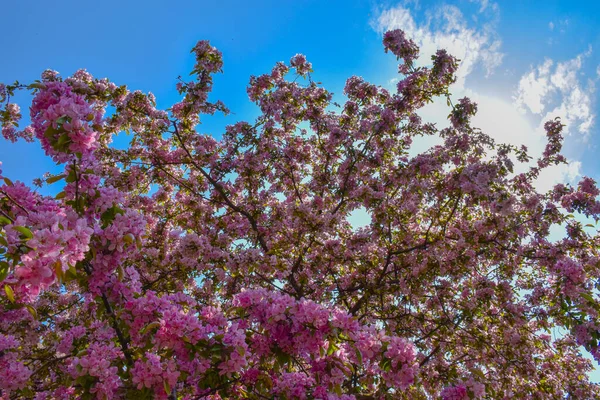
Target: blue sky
(523,62)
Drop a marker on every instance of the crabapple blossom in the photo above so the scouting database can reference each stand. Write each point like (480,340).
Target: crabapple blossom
(183,266)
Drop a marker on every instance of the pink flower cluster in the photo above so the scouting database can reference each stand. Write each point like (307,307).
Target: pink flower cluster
(444,67)
(455,393)
(302,328)
(462,113)
(97,362)
(301,65)
(58,239)
(402,47)
(13,373)
(62,120)
(153,372)
(190,267)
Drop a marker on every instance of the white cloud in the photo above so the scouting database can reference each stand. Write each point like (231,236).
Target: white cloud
(447,29)
(503,121)
(486,5)
(501,118)
(557,87)
(564,173)
(534,87)
(563,24)
(483,4)
(551,25)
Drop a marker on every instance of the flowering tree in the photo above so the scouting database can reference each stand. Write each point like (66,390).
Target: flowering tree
(185,267)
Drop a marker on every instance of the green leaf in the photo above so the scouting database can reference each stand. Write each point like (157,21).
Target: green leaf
(71,177)
(36,85)
(283,359)
(9,293)
(25,232)
(71,273)
(588,297)
(63,141)
(148,327)
(332,348)
(55,178)
(129,238)
(338,389)
(8,182)
(61,195)
(51,132)
(3,270)
(386,365)
(58,270)
(109,215)
(31,310)
(167,387)
(359,356)
(4,220)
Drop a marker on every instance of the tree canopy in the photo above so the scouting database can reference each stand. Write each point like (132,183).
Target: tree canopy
(189,267)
